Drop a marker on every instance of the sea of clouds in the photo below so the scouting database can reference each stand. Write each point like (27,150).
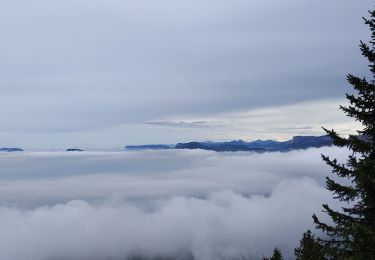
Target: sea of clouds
(111,205)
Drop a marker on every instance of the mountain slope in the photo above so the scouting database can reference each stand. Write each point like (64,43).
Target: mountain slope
(297,142)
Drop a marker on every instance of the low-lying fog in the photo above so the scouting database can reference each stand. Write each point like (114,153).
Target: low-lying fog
(111,205)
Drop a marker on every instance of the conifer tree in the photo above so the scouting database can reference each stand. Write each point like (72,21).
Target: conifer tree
(352,234)
(276,255)
(309,248)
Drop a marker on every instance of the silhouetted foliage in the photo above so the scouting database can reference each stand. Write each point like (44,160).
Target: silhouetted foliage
(352,234)
(309,248)
(276,255)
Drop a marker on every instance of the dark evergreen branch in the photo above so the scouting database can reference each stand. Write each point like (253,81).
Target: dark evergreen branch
(343,193)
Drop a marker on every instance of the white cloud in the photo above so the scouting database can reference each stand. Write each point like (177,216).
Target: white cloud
(224,224)
(216,205)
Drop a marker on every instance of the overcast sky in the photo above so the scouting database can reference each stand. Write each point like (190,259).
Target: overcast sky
(102,74)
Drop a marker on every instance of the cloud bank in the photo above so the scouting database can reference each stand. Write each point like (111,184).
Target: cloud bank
(212,205)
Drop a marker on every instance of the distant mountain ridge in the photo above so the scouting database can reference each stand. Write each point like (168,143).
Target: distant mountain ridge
(149,147)
(297,142)
(5,149)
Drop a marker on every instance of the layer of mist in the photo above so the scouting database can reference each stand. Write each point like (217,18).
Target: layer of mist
(112,205)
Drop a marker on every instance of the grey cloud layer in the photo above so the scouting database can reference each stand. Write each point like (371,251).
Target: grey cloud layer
(149,174)
(84,65)
(214,205)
